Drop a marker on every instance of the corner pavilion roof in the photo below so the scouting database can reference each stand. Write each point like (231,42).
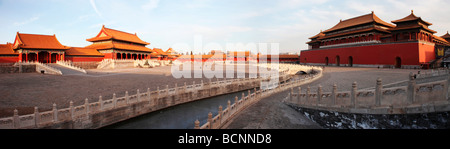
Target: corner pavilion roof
(35,41)
(107,34)
(446,36)
(412,17)
(321,34)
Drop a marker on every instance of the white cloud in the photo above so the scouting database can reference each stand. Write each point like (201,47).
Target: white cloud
(95,8)
(150,5)
(26,21)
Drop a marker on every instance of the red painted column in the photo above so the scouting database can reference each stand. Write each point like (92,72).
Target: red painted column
(20,57)
(49,59)
(26,57)
(37,56)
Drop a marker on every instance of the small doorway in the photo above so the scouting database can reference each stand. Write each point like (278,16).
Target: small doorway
(338,61)
(350,61)
(398,62)
(326,61)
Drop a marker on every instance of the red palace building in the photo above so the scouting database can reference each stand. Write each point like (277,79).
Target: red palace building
(114,44)
(42,48)
(368,41)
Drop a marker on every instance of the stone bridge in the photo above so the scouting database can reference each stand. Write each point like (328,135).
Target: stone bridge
(225,115)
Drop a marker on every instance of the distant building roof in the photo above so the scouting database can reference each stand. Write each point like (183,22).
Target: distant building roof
(78,51)
(160,51)
(238,53)
(7,49)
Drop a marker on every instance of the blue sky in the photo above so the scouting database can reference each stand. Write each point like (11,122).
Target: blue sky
(164,23)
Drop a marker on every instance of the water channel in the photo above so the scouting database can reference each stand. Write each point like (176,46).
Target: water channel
(179,116)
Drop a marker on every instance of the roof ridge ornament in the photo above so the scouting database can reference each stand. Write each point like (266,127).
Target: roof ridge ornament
(412,11)
(372,11)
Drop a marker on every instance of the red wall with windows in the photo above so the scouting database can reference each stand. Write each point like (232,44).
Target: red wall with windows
(384,54)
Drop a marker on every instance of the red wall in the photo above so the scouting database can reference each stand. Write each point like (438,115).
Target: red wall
(84,59)
(108,55)
(9,59)
(385,54)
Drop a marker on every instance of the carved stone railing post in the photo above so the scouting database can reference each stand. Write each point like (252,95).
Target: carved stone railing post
(55,113)
(291,94)
(86,106)
(167,90)
(353,94)
(72,114)
(176,88)
(114,98)
(100,101)
(148,95)
(299,98)
(334,94)
(411,91)
(197,124)
(201,84)
(319,94)
(210,120)
(138,95)
(157,93)
(127,98)
(378,93)
(37,117)
(220,114)
(16,119)
(308,92)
